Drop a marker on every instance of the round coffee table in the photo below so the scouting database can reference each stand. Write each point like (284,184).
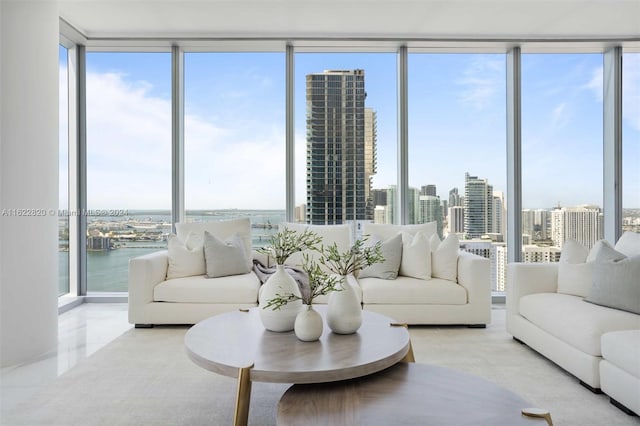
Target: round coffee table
(404,394)
(236,344)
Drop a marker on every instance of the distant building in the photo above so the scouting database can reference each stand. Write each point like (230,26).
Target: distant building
(341,148)
(583,224)
(456,219)
(478,207)
(537,254)
(431,211)
(454,198)
(300,213)
(428,190)
(380,214)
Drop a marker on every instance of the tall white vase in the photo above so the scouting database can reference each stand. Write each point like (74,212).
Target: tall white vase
(283,284)
(344,312)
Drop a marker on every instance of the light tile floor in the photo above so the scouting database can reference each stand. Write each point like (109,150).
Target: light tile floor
(81,332)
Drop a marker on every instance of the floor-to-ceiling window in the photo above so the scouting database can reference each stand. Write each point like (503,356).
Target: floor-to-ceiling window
(63,173)
(562,151)
(631,142)
(128,162)
(457,159)
(346,137)
(234,122)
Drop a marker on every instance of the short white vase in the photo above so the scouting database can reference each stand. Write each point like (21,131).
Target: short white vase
(308,325)
(281,319)
(344,312)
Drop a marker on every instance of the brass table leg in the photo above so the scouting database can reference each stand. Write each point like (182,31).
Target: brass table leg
(538,412)
(409,356)
(243,397)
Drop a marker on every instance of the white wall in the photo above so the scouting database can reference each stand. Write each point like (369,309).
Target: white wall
(28,179)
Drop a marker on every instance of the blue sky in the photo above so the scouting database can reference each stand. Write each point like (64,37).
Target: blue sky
(234,126)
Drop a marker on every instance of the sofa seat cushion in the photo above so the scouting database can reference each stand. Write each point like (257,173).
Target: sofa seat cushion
(199,289)
(622,349)
(412,291)
(574,321)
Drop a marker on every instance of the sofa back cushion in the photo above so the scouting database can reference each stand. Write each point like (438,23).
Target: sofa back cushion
(224,258)
(444,257)
(386,231)
(222,229)
(629,244)
(416,256)
(186,258)
(388,268)
(574,271)
(615,280)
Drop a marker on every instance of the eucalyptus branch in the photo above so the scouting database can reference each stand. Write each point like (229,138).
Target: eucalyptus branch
(286,242)
(320,283)
(357,257)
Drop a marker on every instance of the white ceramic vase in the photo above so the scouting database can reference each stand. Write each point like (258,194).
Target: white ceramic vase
(308,325)
(279,319)
(344,312)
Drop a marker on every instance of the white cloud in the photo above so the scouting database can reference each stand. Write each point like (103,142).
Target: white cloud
(481,82)
(233,165)
(560,115)
(596,83)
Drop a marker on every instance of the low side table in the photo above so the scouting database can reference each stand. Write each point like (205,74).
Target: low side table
(236,344)
(405,394)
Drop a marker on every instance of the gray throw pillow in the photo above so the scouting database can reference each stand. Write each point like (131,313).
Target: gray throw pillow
(392,253)
(224,258)
(616,280)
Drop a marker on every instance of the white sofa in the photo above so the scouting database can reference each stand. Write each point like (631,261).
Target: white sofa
(620,369)
(154,299)
(564,327)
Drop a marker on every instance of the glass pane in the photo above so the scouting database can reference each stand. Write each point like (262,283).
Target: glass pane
(561,152)
(457,140)
(346,133)
(63,172)
(631,142)
(128,162)
(235,139)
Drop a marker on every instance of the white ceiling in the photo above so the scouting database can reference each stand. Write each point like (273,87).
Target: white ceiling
(356,19)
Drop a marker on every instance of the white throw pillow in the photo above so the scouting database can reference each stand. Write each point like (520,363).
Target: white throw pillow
(615,280)
(222,229)
(386,231)
(186,259)
(629,244)
(416,256)
(392,253)
(575,268)
(444,257)
(224,258)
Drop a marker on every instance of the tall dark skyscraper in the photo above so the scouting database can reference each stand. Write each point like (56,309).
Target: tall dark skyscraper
(478,206)
(341,148)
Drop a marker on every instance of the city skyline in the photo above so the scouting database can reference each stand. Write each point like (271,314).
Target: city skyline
(134,90)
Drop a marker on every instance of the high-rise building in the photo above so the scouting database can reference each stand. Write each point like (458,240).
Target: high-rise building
(478,206)
(428,190)
(498,224)
(582,223)
(390,213)
(454,198)
(431,211)
(370,163)
(414,205)
(456,219)
(340,148)
(379,197)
